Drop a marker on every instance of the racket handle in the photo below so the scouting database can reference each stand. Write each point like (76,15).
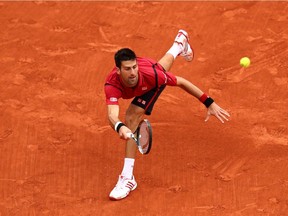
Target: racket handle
(131,136)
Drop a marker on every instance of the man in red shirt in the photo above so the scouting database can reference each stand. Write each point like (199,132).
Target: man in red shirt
(144,79)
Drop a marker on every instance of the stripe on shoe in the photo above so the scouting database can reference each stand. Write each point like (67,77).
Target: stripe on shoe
(130,185)
(179,35)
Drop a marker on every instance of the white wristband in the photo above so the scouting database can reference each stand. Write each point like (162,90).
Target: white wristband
(116,125)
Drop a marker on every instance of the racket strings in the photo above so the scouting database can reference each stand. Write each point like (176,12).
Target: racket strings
(143,137)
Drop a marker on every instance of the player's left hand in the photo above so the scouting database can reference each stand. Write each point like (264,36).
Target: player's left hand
(218,112)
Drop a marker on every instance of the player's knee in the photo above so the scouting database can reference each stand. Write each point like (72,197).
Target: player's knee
(132,119)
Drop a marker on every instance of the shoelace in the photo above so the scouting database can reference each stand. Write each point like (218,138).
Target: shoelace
(120,183)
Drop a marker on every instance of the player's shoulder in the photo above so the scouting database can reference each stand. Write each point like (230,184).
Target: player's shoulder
(112,75)
(145,61)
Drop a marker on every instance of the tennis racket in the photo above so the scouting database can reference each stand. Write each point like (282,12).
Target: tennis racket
(143,136)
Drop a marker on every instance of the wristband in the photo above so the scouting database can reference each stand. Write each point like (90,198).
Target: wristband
(206,100)
(118,125)
(203,98)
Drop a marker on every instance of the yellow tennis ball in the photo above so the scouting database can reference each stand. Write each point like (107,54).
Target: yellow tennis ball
(245,62)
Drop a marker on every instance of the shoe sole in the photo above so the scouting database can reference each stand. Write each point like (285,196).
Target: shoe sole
(120,198)
(189,57)
(185,34)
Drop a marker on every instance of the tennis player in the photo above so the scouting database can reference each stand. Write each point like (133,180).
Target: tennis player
(143,80)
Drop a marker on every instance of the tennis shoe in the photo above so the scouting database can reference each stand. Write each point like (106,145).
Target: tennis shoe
(123,187)
(182,39)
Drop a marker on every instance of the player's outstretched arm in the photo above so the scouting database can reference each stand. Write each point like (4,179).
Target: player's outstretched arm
(213,108)
(189,87)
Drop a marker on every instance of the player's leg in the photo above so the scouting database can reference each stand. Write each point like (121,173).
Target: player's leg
(126,181)
(167,61)
(134,114)
(181,47)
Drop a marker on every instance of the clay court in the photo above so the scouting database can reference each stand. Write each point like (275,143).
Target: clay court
(58,154)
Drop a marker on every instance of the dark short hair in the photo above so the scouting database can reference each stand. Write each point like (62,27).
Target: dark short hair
(124,54)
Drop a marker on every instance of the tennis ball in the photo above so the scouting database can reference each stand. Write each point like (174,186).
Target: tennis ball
(245,62)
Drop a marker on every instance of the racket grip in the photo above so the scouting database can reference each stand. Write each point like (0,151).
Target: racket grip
(130,135)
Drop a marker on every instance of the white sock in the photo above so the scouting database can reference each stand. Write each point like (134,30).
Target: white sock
(175,50)
(128,167)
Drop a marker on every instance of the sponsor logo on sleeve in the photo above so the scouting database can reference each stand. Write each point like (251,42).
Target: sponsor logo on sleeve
(113,99)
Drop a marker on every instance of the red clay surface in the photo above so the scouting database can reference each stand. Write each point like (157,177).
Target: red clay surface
(60,157)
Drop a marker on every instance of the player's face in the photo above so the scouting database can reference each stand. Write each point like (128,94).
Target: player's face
(129,73)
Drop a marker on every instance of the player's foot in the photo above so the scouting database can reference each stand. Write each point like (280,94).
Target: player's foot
(183,40)
(123,187)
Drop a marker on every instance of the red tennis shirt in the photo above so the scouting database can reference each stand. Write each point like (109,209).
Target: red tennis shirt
(114,88)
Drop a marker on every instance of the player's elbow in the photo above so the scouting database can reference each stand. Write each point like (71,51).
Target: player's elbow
(180,81)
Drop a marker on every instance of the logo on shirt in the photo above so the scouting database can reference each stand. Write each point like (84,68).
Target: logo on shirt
(113,99)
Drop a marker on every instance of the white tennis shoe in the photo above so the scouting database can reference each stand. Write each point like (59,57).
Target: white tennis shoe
(183,39)
(123,187)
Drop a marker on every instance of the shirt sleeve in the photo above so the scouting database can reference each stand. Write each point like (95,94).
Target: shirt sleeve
(165,77)
(171,79)
(112,94)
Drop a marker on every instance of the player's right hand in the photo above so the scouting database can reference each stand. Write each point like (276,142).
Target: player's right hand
(124,132)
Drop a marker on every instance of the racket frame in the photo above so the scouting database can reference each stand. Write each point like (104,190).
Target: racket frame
(136,136)
(144,121)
